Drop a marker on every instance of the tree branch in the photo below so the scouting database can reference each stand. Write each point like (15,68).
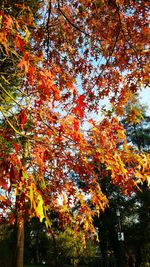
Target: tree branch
(47,26)
(5,91)
(70,22)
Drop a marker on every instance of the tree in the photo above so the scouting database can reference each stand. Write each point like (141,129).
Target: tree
(37,244)
(134,207)
(138,240)
(138,131)
(6,244)
(72,248)
(53,45)
(107,222)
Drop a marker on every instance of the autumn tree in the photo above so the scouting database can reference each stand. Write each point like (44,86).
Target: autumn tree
(66,56)
(138,132)
(138,240)
(134,208)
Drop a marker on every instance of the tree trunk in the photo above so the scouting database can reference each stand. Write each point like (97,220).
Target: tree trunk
(20,219)
(19,248)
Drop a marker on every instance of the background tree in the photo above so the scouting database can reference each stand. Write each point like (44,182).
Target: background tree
(37,244)
(138,240)
(134,207)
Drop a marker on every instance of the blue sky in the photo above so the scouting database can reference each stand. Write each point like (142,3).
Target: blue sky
(145,98)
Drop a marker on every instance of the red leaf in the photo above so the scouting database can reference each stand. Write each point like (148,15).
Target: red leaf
(16,147)
(76,125)
(23,118)
(8,22)
(19,43)
(80,108)
(4,184)
(31,74)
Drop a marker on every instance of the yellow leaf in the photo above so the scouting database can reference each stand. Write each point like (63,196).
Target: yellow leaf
(39,208)
(31,195)
(85,159)
(27,34)
(47,222)
(86,225)
(98,150)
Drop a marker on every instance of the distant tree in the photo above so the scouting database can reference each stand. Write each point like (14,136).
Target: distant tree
(134,207)
(138,131)
(138,230)
(37,243)
(7,241)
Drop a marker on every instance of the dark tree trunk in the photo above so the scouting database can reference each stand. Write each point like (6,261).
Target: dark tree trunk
(20,215)
(19,248)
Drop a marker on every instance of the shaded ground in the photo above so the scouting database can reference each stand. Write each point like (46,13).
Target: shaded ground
(37,265)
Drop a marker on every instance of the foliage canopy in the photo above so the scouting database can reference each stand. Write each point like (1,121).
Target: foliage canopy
(59,60)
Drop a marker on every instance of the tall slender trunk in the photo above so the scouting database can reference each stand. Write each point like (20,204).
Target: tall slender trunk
(19,247)
(55,250)
(20,215)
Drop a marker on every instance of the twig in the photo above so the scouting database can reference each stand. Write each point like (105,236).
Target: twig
(5,91)
(70,22)
(47,27)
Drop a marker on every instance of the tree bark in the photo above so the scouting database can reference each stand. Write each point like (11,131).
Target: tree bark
(19,248)
(20,218)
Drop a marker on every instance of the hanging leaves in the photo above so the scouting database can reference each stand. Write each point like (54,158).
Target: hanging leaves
(60,70)
(79,110)
(23,118)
